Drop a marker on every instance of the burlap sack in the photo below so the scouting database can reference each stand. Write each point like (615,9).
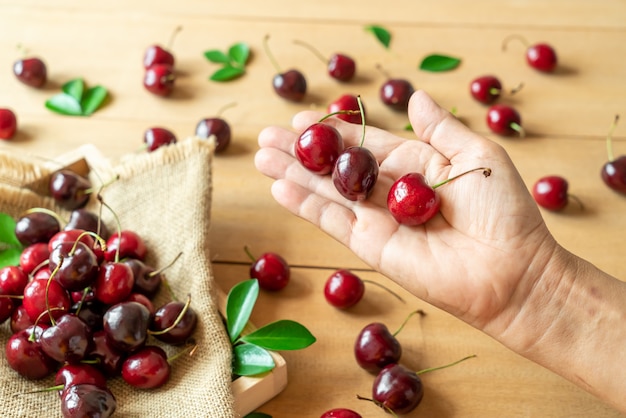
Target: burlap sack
(165,196)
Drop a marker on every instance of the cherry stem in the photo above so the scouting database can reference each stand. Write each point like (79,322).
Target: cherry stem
(609,142)
(171,263)
(250,255)
(517,88)
(48,389)
(340,112)
(97,237)
(102,186)
(382,70)
(511,37)
(226,106)
(190,349)
(397,296)
(518,128)
(176,322)
(170,42)
(31,338)
(454,363)
(269,53)
(312,49)
(577,199)
(379,404)
(419,311)
(117,222)
(486,172)
(360,103)
(82,300)
(48,212)
(21,297)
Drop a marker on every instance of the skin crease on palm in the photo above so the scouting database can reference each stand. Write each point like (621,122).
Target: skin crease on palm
(487,257)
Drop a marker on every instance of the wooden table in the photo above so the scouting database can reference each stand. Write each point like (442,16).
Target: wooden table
(567,116)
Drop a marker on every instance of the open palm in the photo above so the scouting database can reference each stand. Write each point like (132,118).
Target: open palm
(478,258)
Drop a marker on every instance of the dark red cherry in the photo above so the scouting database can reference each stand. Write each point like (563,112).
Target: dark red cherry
(343,289)
(20,319)
(217,127)
(147,368)
(126,325)
(31,71)
(86,220)
(355,173)
(87,400)
(542,57)
(340,413)
(398,389)
(109,358)
(25,356)
(550,192)
(147,279)
(77,265)
(504,120)
(614,174)
(69,189)
(271,270)
(375,347)
(341,67)
(346,102)
(290,85)
(486,89)
(68,340)
(7,307)
(166,316)
(159,79)
(36,226)
(318,148)
(156,54)
(396,93)
(77,374)
(412,201)
(158,137)
(8,124)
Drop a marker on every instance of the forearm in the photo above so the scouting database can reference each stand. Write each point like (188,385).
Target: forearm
(574,323)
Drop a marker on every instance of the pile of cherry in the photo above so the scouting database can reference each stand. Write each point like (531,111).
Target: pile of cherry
(80,305)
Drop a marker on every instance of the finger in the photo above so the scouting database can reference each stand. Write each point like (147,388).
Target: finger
(438,127)
(276,137)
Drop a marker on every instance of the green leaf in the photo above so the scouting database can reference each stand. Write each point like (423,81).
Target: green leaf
(257,415)
(227,73)
(217,56)
(74,88)
(281,335)
(239,53)
(93,99)
(439,63)
(64,104)
(408,127)
(250,360)
(382,34)
(10,257)
(239,304)
(7,231)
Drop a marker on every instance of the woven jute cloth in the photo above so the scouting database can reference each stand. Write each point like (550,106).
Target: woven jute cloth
(164,196)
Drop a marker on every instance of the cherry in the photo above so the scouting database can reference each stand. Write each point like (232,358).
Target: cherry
(32,256)
(540,56)
(8,123)
(396,92)
(157,54)
(126,325)
(70,189)
(355,173)
(20,319)
(90,312)
(66,341)
(45,296)
(157,137)
(144,300)
(159,79)
(7,307)
(76,265)
(550,192)
(78,374)
(147,280)
(87,400)
(31,71)
(13,280)
(216,127)
(340,66)
(179,328)
(270,269)
(125,243)
(375,347)
(291,84)
(344,289)
(614,170)
(86,220)
(340,413)
(486,89)
(36,226)
(25,356)
(70,235)
(109,358)
(318,148)
(147,368)
(398,389)
(504,120)
(412,201)
(347,102)
(114,282)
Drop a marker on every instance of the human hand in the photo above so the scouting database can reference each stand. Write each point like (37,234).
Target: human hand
(478,258)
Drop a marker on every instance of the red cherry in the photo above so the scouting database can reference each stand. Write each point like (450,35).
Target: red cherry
(114,283)
(129,244)
(35,294)
(8,124)
(550,192)
(398,389)
(355,173)
(31,71)
(7,307)
(290,85)
(217,127)
(614,170)
(412,201)
(159,79)
(542,57)
(271,270)
(78,374)
(340,413)
(346,102)
(486,89)
(341,67)
(70,235)
(157,137)
(20,319)
(33,255)
(375,347)
(147,368)
(396,92)
(156,54)
(24,354)
(13,280)
(318,148)
(504,120)
(343,289)
(87,400)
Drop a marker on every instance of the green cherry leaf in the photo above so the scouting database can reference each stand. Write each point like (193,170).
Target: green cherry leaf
(439,63)
(382,34)
(257,415)
(239,304)
(64,104)
(10,256)
(281,335)
(74,88)
(408,127)
(93,99)
(239,53)
(217,56)
(227,73)
(250,360)
(7,231)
